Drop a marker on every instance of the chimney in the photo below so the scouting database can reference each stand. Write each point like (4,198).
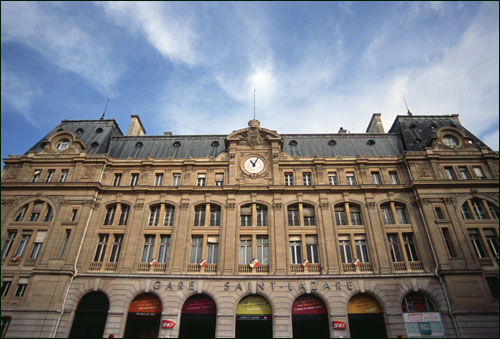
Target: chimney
(136,129)
(375,126)
(342,130)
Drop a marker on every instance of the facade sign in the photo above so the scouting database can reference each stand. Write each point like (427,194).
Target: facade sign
(308,305)
(339,325)
(363,304)
(146,305)
(422,317)
(167,324)
(199,304)
(253,305)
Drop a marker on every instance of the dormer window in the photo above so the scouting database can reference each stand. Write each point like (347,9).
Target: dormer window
(62,145)
(450,141)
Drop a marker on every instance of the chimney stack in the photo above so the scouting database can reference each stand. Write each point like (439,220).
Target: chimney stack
(136,129)
(375,126)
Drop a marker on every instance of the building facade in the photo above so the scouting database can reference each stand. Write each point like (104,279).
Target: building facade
(252,234)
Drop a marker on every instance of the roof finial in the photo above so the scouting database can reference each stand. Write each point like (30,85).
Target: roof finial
(407,109)
(102,116)
(254,101)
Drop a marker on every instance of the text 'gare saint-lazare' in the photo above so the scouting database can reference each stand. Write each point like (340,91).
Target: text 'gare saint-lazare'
(308,286)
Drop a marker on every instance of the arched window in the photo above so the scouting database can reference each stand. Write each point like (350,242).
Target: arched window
(296,218)
(478,209)
(417,302)
(122,210)
(204,213)
(348,214)
(394,213)
(247,213)
(90,316)
(35,209)
(62,145)
(164,212)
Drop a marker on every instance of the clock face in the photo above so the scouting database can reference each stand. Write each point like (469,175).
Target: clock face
(254,165)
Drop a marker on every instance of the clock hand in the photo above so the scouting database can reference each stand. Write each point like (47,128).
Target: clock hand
(253,163)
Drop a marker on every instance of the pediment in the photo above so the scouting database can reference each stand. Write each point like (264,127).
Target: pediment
(254,135)
(52,144)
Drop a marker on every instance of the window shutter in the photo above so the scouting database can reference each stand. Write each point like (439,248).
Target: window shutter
(295,238)
(213,240)
(308,212)
(202,175)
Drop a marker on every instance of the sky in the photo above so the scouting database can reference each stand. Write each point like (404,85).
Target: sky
(191,67)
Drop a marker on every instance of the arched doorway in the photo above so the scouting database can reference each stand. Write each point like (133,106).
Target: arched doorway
(144,314)
(254,318)
(198,317)
(366,318)
(310,317)
(421,317)
(90,316)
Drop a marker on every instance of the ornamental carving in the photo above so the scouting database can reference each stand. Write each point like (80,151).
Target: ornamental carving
(370,204)
(139,205)
(424,171)
(88,172)
(184,206)
(324,205)
(253,134)
(278,206)
(230,206)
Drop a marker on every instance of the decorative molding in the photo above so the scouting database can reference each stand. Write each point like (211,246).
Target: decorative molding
(324,205)
(184,205)
(139,205)
(370,204)
(230,206)
(278,206)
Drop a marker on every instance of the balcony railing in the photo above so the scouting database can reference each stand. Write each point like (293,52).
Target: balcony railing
(485,262)
(314,268)
(264,268)
(111,266)
(210,268)
(194,268)
(366,267)
(143,267)
(244,268)
(95,266)
(416,265)
(160,267)
(296,268)
(348,267)
(29,262)
(399,266)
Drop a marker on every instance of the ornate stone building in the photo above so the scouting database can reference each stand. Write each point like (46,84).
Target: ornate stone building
(252,234)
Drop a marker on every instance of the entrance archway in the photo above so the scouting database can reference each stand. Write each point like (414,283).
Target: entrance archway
(366,318)
(254,318)
(90,316)
(310,317)
(198,317)
(144,315)
(421,317)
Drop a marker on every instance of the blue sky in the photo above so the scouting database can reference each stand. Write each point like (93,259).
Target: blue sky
(191,67)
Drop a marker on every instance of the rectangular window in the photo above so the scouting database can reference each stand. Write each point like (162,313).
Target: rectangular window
(401,214)
(449,242)
(393,176)
(219,179)
(21,248)
(118,178)
(212,249)
(478,172)
(464,173)
(21,287)
(312,249)
(355,215)
(154,216)
(361,248)
(246,216)
(37,245)
(411,251)
(345,249)
(115,250)
(245,249)
(491,240)
(8,243)
(199,216)
(493,285)
(164,248)
(110,215)
(6,283)
(169,215)
(214,217)
(295,249)
(5,326)
(450,174)
(394,247)
(387,215)
(309,219)
(124,215)
(439,213)
(196,248)
(176,179)
(158,179)
(466,215)
(50,175)
(261,216)
(293,216)
(477,243)
(376,178)
(351,178)
(73,214)
(135,178)
(340,216)
(64,244)
(332,178)
(479,209)
(288,179)
(149,246)
(201,180)
(101,247)
(36,175)
(493,210)
(64,175)
(307,179)
(263,250)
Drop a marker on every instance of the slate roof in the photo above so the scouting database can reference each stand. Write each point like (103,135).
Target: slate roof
(417,130)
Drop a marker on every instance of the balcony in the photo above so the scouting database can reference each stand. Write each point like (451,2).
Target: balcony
(399,266)
(244,268)
(262,268)
(160,267)
(210,268)
(95,266)
(296,268)
(366,267)
(143,267)
(482,262)
(194,268)
(29,262)
(348,267)
(314,268)
(111,266)
(416,266)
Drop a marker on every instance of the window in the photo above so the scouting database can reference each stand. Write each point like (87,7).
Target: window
(263,250)
(245,249)
(101,247)
(164,248)
(154,216)
(37,245)
(149,246)
(168,220)
(376,178)
(246,215)
(196,248)
(110,215)
(219,179)
(11,235)
(477,243)
(340,215)
(332,178)
(176,179)
(62,145)
(20,215)
(411,251)
(491,240)
(355,212)
(448,242)
(309,218)
(479,209)
(450,141)
(37,209)
(401,214)
(135,178)
(115,250)
(5,325)
(450,174)
(288,179)
(351,178)
(478,172)
(214,215)
(36,175)
(306,179)
(5,286)
(439,212)
(293,215)
(394,247)
(158,179)
(417,302)
(64,175)
(201,180)
(64,244)
(345,249)
(21,247)
(295,250)
(312,249)
(361,248)
(466,214)
(393,176)
(262,215)
(464,173)
(387,215)
(73,214)
(493,285)
(493,210)
(342,211)
(50,175)
(212,249)
(48,214)
(392,212)
(21,287)
(199,215)
(124,214)
(116,181)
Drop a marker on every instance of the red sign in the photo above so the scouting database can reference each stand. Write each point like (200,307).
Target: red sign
(167,324)
(339,325)
(308,304)
(199,304)
(146,303)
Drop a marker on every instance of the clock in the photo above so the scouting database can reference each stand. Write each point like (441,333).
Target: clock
(254,165)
